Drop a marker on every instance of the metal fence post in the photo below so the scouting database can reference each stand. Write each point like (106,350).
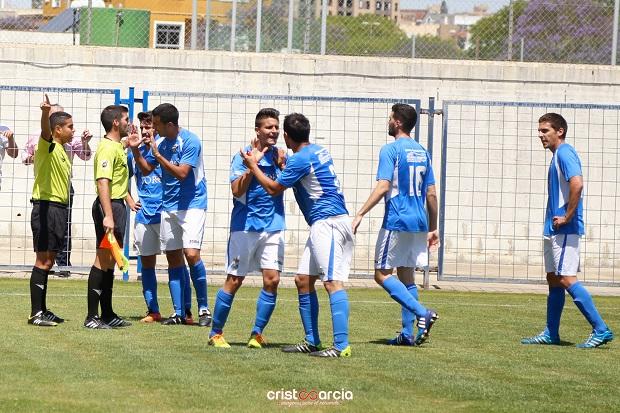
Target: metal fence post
(442,190)
(233,26)
(289,43)
(510,28)
(89,21)
(413,46)
(323,26)
(194,36)
(614,42)
(259,18)
(207,24)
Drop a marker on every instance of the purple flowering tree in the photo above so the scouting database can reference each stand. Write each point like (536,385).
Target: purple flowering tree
(570,31)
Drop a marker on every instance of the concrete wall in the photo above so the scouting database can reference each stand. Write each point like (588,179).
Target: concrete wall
(225,127)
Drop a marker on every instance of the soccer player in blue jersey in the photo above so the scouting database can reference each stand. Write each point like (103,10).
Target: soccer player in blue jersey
(406,182)
(562,231)
(184,206)
(310,172)
(257,226)
(148,219)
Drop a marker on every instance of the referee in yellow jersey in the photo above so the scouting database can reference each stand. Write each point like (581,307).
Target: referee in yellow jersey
(109,215)
(50,198)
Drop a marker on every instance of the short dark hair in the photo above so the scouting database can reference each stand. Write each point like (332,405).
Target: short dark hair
(297,127)
(58,119)
(167,113)
(110,114)
(145,116)
(266,113)
(556,121)
(406,114)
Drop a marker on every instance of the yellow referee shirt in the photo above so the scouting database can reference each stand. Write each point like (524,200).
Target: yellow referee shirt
(111,163)
(52,173)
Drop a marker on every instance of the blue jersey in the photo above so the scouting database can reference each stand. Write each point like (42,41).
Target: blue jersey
(256,210)
(191,192)
(565,164)
(312,175)
(407,165)
(149,189)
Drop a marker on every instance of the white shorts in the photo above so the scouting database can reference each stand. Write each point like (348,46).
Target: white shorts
(146,239)
(329,249)
(182,229)
(254,251)
(401,249)
(562,254)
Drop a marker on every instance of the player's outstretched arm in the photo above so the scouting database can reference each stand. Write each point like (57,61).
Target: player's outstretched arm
(46,129)
(376,195)
(134,141)
(272,187)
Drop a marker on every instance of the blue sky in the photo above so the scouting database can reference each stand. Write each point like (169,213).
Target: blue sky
(455,5)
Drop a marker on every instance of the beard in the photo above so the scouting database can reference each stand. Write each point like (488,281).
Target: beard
(391,130)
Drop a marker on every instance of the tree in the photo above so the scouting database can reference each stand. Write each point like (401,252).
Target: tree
(572,31)
(489,36)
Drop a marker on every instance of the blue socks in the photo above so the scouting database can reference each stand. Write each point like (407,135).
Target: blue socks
(265,305)
(199,278)
(149,289)
(555,305)
(309,312)
(176,283)
(399,293)
(187,290)
(339,302)
(223,302)
(585,304)
(407,316)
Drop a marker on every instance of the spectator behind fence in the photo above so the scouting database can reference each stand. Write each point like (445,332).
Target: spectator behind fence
(79,145)
(7,146)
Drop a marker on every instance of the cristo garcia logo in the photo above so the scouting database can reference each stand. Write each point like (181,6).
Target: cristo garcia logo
(310,395)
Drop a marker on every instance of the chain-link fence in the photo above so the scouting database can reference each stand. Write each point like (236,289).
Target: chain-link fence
(566,31)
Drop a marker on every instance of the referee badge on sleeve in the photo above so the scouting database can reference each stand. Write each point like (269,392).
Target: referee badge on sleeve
(104,164)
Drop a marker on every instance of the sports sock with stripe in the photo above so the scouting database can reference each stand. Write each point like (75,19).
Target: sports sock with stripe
(339,302)
(223,303)
(176,283)
(199,278)
(555,305)
(399,293)
(585,304)
(95,288)
(149,289)
(38,285)
(407,316)
(187,290)
(265,304)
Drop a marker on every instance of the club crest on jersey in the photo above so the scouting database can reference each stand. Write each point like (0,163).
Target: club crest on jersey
(104,164)
(174,148)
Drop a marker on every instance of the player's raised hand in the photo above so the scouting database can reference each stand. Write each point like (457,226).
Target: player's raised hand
(134,140)
(46,106)
(86,136)
(7,134)
(257,150)
(248,158)
(432,239)
(281,161)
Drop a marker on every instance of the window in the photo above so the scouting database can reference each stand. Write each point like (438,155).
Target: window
(386,6)
(361,6)
(349,3)
(368,5)
(55,3)
(169,35)
(395,6)
(340,3)
(378,5)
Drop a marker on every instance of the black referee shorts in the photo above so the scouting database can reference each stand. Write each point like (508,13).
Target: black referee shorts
(48,222)
(119,213)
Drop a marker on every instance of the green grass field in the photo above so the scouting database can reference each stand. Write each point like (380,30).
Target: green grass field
(473,361)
